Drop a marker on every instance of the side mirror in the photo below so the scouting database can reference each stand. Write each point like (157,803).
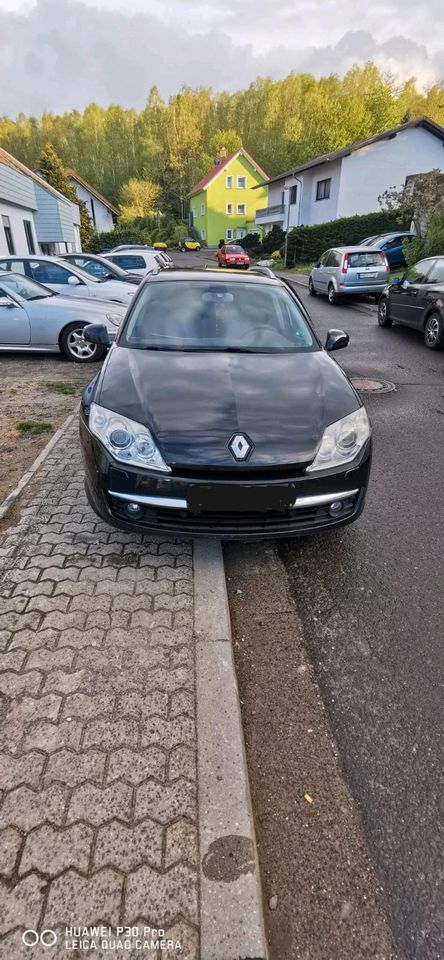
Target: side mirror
(7,302)
(97,333)
(73,281)
(317,263)
(396,282)
(336,340)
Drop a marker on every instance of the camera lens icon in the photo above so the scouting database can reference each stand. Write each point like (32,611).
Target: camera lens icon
(47,938)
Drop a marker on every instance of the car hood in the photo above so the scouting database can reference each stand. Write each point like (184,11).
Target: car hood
(86,307)
(195,402)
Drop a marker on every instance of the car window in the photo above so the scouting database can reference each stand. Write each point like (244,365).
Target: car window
(18,266)
(332,259)
(323,259)
(391,244)
(375,259)
(24,287)
(91,266)
(436,272)
(417,273)
(44,271)
(233,248)
(212,315)
(129,261)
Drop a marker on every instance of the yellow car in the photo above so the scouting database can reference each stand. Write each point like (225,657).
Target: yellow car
(160,245)
(187,243)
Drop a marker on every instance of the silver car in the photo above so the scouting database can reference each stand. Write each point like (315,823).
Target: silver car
(68,279)
(349,270)
(32,317)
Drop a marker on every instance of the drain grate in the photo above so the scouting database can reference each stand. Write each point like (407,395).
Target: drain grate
(368,385)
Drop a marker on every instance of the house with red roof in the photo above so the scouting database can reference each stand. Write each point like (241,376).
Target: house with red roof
(223,204)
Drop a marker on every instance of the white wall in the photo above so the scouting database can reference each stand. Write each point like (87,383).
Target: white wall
(103,218)
(16,216)
(375,168)
(320,211)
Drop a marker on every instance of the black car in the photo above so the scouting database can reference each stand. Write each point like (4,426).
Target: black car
(417,300)
(101,268)
(218,413)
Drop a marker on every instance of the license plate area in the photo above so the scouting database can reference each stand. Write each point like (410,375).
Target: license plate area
(253,498)
(367,276)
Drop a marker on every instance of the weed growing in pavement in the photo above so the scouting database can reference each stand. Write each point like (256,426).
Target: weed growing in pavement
(31,428)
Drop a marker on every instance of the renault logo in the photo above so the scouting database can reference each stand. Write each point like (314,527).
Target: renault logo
(240,446)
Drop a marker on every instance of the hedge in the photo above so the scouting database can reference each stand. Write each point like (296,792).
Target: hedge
(309,243)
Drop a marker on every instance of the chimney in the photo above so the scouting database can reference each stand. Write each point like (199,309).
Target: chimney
(222,153)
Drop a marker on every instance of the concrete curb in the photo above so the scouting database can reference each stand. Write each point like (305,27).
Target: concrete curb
(12,497)
(232,922)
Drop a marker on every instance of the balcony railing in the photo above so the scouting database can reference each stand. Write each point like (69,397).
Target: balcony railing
(278,210)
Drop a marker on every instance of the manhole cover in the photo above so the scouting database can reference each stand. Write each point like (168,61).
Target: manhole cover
(367,385)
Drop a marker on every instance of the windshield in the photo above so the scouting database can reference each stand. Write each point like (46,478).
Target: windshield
(24,287)
(212,315)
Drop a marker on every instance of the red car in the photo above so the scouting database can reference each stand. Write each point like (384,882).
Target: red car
(233,255)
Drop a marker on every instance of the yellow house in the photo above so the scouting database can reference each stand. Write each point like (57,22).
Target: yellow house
(223,204)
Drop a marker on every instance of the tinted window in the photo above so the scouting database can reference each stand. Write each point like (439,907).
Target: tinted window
(46,272)
(333,259)
(92,266)
(128,261)
(436,273)
(391,244)
(202,315)
(416,274)
(366,260)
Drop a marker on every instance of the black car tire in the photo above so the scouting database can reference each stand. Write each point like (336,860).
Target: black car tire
(332,295)
(384,318)
(311,289)
(73,348)
(434,331)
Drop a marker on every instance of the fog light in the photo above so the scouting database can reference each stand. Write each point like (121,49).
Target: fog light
(336,508)
(133,509)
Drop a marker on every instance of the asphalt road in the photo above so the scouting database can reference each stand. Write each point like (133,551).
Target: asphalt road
(370,602)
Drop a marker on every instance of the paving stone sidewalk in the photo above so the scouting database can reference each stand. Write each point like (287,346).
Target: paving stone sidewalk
(98,818)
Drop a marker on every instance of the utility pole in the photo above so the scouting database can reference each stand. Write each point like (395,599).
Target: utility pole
(287,189)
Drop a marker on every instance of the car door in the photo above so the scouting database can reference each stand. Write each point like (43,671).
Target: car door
(15,328)
(406,301)
(58,278)
(319,273)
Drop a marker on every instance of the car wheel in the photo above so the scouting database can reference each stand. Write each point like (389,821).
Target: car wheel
(434,332)
(76,348)
(311,289)
(384,319)
(332,295)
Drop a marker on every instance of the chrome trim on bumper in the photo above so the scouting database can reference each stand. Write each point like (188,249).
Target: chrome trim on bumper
(319,498)
(173,502)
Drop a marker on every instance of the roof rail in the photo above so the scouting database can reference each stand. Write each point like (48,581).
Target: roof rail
(264,271)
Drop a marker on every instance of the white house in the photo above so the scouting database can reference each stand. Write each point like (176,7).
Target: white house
(102,213)
(349,181)
(34,217)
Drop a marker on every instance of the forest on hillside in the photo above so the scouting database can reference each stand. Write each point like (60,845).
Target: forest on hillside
(172,143)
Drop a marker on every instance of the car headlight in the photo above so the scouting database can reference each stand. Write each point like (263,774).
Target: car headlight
(342,441)
(114,318)
(126,440)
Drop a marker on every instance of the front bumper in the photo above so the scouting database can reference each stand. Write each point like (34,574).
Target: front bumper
(163,498)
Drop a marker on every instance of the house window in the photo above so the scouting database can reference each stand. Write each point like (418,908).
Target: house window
(202,209)
(202,234)
(229,234)
(241,183)
(240,233)
(29,236)
(229,209)
(8,234)
(240,209)
(293,194)
(323,189)
(229,183)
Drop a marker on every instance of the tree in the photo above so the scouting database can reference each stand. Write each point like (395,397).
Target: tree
(420,197)
(52,170)
(139,198)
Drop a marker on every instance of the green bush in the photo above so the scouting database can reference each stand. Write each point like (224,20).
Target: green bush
(309,243)
(432,245)
(273,240)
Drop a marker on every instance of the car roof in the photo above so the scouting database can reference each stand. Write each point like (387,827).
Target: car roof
(230,276)
(361,248)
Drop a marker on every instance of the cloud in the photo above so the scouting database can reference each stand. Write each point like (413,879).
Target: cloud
(60,54)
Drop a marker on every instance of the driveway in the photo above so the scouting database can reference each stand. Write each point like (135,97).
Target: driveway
(369,600)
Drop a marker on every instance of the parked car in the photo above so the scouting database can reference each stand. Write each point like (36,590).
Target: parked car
(34,318)
(392,244)
(188,243)
(342,271)
(139,262)
(100,267)
(233,255)
(417,300)
(70,280)
(163,258)
(219,413)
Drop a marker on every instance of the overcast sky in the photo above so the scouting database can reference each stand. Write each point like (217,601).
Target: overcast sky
(59,54)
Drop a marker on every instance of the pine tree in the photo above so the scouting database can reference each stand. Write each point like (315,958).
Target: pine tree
(52,170)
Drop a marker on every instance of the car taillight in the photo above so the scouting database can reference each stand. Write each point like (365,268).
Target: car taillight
(387,265)
(345,263)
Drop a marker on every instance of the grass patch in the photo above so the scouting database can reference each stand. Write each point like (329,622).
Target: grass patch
(32,428)
(61,386)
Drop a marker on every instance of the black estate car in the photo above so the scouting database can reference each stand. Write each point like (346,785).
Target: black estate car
(218,412)
(417,300)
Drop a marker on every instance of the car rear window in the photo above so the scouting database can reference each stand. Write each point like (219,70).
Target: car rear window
(201,315)
(375,259)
